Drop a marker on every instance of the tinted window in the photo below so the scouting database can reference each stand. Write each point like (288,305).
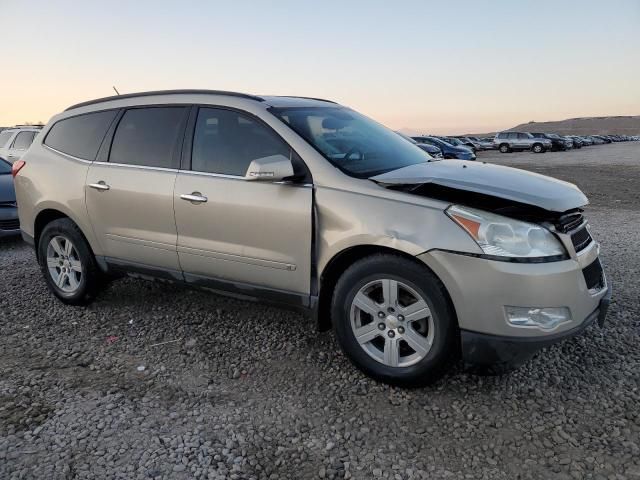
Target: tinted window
(80,136)
(226,142)
(4,138)
(149,137)
(23,140)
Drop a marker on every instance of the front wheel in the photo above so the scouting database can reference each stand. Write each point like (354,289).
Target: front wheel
(504,148)
(537,148)
(67,263)
(393,319)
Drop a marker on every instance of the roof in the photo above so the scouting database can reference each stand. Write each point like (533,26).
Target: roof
(271,100)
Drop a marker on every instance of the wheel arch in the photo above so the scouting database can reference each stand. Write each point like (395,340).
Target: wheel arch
(48,215)
(339,263)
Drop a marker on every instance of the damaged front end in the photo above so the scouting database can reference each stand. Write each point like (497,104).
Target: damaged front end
(505,191)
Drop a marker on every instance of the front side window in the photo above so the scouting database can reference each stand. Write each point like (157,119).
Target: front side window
(226,142)
(149,137)
(23,140)
(352,142)
(82,135)
(4,138)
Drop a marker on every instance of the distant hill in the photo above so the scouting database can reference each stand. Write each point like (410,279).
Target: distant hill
(620,125)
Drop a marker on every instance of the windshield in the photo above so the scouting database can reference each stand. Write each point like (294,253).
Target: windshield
(452,141)
(352,142)
(4,138)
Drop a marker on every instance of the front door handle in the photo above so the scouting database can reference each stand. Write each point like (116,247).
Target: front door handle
(100,186)
(195,197)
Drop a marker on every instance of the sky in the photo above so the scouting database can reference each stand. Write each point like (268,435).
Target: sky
(441,67)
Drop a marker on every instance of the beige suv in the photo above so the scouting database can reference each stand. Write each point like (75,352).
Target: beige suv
(309,204)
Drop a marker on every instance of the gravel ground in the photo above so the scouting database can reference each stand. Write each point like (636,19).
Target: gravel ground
(158,381)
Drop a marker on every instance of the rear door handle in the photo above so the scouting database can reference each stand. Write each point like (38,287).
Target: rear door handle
(99,186)
(195,197)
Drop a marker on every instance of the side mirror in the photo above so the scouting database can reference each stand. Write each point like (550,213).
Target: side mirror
(274,169)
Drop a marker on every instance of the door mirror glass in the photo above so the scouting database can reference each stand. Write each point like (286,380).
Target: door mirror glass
(273,168)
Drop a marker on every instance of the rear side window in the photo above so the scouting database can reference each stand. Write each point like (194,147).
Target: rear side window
(80,136)
(23,140)
(149,137)
(4,138)
(226,142)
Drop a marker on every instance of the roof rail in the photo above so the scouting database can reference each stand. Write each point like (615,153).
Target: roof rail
(307,98)
(165,92)
(39,125)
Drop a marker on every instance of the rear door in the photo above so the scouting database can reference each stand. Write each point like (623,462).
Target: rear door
(241,233)
(129,190)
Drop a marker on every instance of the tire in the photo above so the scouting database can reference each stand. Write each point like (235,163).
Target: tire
(537,148)
(67,263)
(504,148)
(414,360)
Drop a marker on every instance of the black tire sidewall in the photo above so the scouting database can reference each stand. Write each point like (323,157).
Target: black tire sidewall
(432,291)
(66,228)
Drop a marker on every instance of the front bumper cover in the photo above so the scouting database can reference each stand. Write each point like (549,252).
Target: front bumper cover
(496,353)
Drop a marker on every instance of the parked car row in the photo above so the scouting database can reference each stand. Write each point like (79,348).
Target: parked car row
(540,142)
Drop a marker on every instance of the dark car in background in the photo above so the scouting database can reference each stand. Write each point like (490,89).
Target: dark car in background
(9,224)
(458,142)
(448,151)
(558,143)
(432,150)
(467,142)
(577,141)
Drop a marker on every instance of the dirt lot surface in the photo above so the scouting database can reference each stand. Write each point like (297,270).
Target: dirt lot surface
(157,381)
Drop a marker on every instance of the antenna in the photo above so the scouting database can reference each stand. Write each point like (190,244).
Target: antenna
(116,90)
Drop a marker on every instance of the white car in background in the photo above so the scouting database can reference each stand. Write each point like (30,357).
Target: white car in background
(15,141)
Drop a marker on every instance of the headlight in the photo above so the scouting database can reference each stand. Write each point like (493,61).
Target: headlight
(505,237)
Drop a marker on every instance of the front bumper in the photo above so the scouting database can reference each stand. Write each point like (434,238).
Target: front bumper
(481,289)
(9,223)
(500,353)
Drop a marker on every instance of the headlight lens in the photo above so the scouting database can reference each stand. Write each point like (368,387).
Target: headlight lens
(506,237)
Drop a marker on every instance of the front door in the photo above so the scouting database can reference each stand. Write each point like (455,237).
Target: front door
(130,196)
(247,233)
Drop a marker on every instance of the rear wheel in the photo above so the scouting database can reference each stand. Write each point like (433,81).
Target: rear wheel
(504,148)
(393,320)
(67,263)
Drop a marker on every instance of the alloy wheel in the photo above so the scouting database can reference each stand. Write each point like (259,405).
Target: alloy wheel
(64,265)
(392,323)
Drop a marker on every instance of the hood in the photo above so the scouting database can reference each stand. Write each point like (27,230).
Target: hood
(493,180)
(7,192)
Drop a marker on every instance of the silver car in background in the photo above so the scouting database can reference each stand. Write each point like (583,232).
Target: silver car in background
(517,141)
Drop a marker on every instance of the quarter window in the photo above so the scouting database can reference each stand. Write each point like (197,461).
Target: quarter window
(80,136)
(226,142)
(149,137)
(23,140)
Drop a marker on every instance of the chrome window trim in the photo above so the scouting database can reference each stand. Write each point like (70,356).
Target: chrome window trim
(139,167)
(239,177)
(77,159)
